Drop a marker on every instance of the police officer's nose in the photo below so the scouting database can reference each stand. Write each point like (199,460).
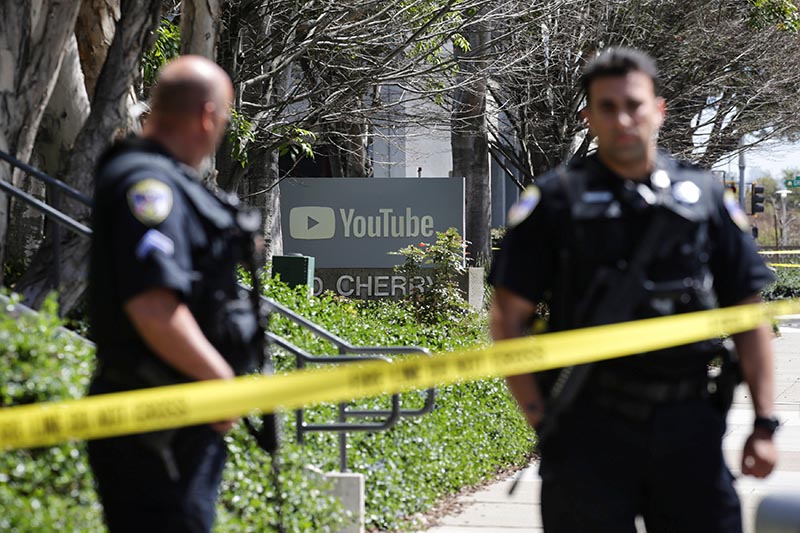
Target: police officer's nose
(624,119)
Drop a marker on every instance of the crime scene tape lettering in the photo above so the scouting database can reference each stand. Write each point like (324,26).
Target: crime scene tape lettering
(208,401)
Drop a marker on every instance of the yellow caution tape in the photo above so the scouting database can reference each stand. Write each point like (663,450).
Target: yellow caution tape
(202,402)
(779,252)
(784,265)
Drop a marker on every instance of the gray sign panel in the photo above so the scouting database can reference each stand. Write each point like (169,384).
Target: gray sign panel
(356,222)
(376,283)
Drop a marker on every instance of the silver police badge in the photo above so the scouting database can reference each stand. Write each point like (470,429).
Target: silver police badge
(660,179)
(686,192)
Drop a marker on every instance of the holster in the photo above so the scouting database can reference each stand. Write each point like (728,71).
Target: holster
(149,374)
(722,384)
(264,431)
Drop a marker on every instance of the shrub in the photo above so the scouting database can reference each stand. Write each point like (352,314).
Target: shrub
(787,285)
(442,301)
(44,489)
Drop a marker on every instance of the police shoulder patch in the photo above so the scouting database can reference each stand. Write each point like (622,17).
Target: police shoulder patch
(527,202)
(150,201)
(735,211)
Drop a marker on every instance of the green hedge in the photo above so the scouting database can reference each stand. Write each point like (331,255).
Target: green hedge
(787,284)
(45,489)
(473,432)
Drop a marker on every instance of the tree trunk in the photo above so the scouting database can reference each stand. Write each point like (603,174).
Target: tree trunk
(260,190)
(539,164)
(94,29)
(257,181)
(229,53)
(469,140)
(355,156)
(32,38)
(26,228)
(199,27)
(109,114)
(63,118)
(65,114)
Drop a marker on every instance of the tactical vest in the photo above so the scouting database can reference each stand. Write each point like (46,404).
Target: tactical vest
(222,310)
(607,221)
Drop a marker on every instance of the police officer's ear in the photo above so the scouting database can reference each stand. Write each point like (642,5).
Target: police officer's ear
(583,118)
(661,108)
(208,116)
(583,115)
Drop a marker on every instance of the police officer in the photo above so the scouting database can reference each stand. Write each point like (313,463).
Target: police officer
(624,234)
(164,304)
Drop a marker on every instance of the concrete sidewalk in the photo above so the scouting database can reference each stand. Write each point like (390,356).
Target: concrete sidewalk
(491,510)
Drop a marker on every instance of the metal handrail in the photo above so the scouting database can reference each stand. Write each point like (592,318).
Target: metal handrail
(36,173)
(304,358)
(347,353)
(55,187)
(370,353)
(45,209)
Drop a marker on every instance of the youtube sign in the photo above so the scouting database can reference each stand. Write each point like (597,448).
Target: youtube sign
(358,222)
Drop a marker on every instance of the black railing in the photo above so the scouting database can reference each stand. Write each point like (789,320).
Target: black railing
(41,176)
(47,210)
(347,354)
(53,212)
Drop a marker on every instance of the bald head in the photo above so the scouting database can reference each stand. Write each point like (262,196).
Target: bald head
(188,83)
(190,108)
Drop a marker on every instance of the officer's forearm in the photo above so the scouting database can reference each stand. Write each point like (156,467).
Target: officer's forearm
(756,359)
(528,396)
(510,315)
(171,331)
(755,355)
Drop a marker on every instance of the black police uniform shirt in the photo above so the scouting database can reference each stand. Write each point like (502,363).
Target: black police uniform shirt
(527,263)
(149,233)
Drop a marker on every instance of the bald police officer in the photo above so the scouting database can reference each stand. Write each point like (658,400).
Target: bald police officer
(164,304)
(624,234)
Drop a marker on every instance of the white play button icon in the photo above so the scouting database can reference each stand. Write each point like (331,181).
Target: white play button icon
(312,223)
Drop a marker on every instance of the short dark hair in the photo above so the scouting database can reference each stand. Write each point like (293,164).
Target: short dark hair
(619,61)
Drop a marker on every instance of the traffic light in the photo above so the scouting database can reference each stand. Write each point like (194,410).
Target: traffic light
(756,198)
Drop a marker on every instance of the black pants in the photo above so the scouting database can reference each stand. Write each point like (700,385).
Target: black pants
(140,493)
(602,470)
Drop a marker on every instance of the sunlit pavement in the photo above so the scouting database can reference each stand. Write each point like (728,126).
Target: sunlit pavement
(492,510)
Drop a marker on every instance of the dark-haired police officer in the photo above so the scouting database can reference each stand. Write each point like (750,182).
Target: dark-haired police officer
(625,234)
(164,304)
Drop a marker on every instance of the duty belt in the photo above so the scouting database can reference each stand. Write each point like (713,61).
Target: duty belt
(636,399)
(650,391)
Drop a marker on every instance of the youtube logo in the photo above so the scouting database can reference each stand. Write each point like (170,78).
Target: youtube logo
(312,223)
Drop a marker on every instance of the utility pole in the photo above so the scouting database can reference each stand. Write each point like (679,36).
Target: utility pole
(741,172)
(783,193)
(783,220)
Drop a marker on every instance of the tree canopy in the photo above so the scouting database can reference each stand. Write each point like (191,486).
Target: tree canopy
(318,83)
